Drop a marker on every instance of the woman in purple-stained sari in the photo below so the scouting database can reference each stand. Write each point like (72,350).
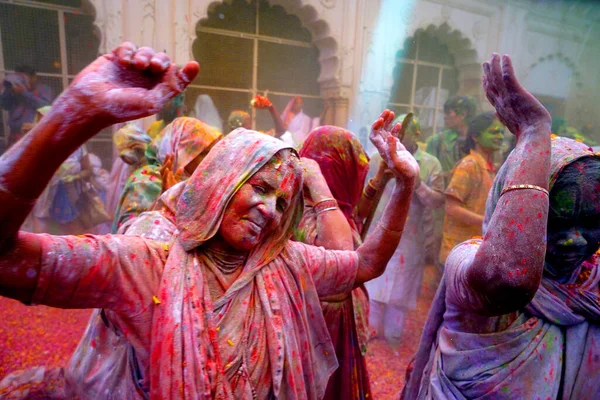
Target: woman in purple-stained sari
(517,314)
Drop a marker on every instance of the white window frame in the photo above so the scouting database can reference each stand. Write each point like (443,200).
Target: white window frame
(412,106)
(64,75)
(256,37)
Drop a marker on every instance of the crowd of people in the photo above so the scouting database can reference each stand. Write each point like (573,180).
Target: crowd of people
(227,263)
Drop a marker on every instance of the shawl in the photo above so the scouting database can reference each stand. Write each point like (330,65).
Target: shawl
(344,164)
(185,138)
(555,306)
(186,358)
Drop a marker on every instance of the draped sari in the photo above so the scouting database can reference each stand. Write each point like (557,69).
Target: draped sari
(344,165)
(547,350)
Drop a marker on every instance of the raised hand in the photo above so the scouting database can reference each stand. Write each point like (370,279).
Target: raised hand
(516,108)
(127,84)
(399,161)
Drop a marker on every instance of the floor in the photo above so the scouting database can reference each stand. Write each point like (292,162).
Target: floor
(31,336)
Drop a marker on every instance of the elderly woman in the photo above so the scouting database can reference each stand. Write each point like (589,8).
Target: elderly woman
(180,147)
(517,313)
(337,166)
(229,308)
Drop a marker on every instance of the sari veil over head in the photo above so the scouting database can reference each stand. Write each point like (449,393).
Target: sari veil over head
(185,354)
(553,302)
(344,164)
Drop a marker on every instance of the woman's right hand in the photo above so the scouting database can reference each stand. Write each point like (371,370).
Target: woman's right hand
(128,83)
(516,108)
(398,160)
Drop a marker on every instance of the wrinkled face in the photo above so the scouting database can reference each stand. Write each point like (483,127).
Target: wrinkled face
(492,138)
(258,207)
(573,225)
(452,120)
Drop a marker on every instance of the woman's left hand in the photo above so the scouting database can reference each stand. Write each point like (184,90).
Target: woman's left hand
(399,160)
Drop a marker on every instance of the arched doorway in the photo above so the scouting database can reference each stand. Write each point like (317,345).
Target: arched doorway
(425,76)
(433,65)
(249,47)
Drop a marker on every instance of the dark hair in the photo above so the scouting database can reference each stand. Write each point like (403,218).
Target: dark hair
(463,105)
(477,125)
(576,174)
(26,69)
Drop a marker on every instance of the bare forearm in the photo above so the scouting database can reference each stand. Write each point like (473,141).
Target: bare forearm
(509,264)
(455,210)
(279,126)
(333,230)
(380,245)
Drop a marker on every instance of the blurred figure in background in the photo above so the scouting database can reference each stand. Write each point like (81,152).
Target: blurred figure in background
(470,183)
(297,124)
(130,143)
(560,127)
(448,147)
(206,111)
(22,95)
(238,119)
(335,167)
(174,108)
(395,292)
(171,157)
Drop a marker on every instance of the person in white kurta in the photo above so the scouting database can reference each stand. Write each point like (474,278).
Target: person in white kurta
(395,292)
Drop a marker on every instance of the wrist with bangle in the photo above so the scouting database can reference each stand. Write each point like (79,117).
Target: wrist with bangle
(370,190)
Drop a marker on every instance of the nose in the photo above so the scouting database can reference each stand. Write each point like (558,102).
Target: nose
(268,207)
(574,238)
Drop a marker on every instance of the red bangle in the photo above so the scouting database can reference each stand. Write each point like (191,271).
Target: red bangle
(320,206)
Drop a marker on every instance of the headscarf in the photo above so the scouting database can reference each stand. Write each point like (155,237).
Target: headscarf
(185,353)
(126,139)
(563,152)
(236,119)
(206,111)
(186,138)
(344,164)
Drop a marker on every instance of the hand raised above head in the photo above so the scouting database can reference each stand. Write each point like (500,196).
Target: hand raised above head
(516,107)
(399,161)
(128,83)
